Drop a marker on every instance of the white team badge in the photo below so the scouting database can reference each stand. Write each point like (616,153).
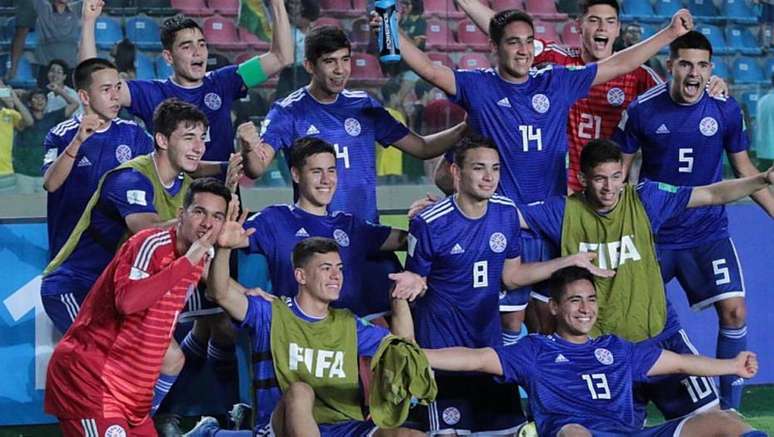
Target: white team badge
(539,46)
(616,96)
(341,237)
(352,126)
(123,153)
(540,103)
(497,242)
(115,431)
(708,126)
(604,356)
(213,101)
(451,416)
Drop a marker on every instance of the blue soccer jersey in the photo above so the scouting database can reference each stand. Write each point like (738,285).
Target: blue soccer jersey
(215,97)
(279,228)
(528,122)
(353,123)
(463,260)
(589,384)
(684,145)
(102,151)
(258,321)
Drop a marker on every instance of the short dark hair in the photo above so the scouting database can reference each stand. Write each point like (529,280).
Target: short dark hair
(503,18)
(585,5)
(206,185)
(124,54)
(35,91)
(324,39)
(171,112)
(560,279)
(468,143)
(308,247)
(307,146)
(172,25)
(84,70)
(310,9)
(597,152)
(691,40)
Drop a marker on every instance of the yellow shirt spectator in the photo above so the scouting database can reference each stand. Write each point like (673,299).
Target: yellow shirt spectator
(389,160)
(10,119)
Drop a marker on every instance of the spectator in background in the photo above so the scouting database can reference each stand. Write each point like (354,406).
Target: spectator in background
(25,20)
(389,164)
(59,31)
(60,95)
(631,34)
(764,131)
(123,55)
(301,13)
(412,23)
(13,116)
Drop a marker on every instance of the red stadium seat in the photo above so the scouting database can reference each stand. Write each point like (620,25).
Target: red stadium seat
(442,9)
(545,31)
(440,37)
(252,40)
(571,35)
(361,33)
(441,58)
(441,114)
(366,70)
(222,33)
(544,9)
(196,8)
(471,36)
(501,5)
(228,8)
(243,57)
(472,61)
(361,6)
(339,8)
(327,21)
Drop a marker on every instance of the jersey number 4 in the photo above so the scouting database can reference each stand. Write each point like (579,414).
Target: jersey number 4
(342,153)
(528,134)
(597,384)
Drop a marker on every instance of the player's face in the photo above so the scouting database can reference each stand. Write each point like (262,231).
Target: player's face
(331,71)
(207,211)
(317,179)
(691,71)
(599,28)
(188,56)
(516,51)
(480,173)
(103,94)
(323,276)
(576,312)
(185,146)
(603,186)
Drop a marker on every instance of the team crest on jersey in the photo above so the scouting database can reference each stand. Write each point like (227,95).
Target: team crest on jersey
(451,416)
(352,126)
(708,126)
(341,237)
(616,96)
(213,101)
(497,242)
(604,356)
(540,103)
(115,431)
(539,46)
(123,153)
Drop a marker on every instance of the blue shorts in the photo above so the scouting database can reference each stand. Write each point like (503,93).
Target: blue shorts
(469,404)
(198,305)
(350,428)
(377,283)
(61,302)
(708,273)
(667,429)
(533,249)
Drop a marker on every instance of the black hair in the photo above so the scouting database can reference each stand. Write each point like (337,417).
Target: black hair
(471,142)
(585,5)
(391,87)
(324,39)
(561,278)
(124,54)
(503,18)
(84,70)
(172,25)
(310,9)
(597,152)
(307,146)
(206,185)
(691,40)
(171,112)
(308,247)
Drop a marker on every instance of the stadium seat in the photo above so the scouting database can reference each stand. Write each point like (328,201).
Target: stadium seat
(544,10)
(742,41)
(441,58)
(144,66)
(545,31)
(361,34)
(24,77)
(472,61)
(720,68)
(750,103)
(5,63)
(704,10)
(216,60)
(250,39)
(571,35)
(156,7)
(143,32)
(31,41)
(664,9)
(360,5)
(739,11)
(770,67)
(339,8)
(163,70)
(747,70)
(327,21)
(442,9)
(107,33)
(638,10)
(569,7)
(501,5)
(242,57)
(194,8)
(440,37)
(121,7)
(228,8)
(440,114)
(366,70)
(471,36)
(715,37)
(221,33)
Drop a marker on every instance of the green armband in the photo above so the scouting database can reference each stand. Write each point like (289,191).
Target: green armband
(252,72)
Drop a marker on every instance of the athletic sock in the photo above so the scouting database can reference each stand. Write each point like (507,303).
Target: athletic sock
(160,390)
(223,357)
(510,337)
(754,433)
(194,350)
(731,341)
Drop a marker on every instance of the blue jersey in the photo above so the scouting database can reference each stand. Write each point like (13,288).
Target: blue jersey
(214,96)
(463,261)
(353,123)
(124,192)
(684,145)
(279,228)
(589,384)
(528,122)
(102,151)
(258,320)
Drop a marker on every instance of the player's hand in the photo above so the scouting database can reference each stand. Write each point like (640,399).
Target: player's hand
(585,260)
(59,89)
(682,23)
(770,175)
(235,171)
(90,123)
(92,9)
(257,291)
(374,21)
(420,204)
(746,364)
(408,285)
(247,134)
(717,87)
(233,235)
(201,249)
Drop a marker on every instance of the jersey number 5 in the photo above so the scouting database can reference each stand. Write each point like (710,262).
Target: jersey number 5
(686,160)
(597,384)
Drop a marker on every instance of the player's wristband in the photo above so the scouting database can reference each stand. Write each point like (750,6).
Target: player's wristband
(69,154)
(251,72)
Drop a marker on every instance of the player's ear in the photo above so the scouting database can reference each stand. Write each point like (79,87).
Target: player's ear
(669,64)
(162,142)
(295,174)
(553,306)
(180,214)
(167,55)
(309,66)
(582,179)
(300,276)
(83,95)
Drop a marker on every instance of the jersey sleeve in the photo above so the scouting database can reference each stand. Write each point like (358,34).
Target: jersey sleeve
(145,98)
(575,82)
(262,241)
(277,128)
(514,240)
(627,133)
(466,81)
(258,315)
(548,52)
(388,129)
(735,138)
(420,250)
(129,191)
(52,147)
(369,336)
(230,82)
(371,235)
(662,201)
(546,218)
(643,355)
(144,143)
(517,360)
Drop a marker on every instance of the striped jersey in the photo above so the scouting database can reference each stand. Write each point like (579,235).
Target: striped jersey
(108,361)
(596,115)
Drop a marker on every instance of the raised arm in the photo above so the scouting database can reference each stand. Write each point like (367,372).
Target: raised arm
(256,154)
(478,12)
(60,169)
(743,167)
(462,359)
(724,192)
(430,146)
(517,274)
(91,10)
(281,53)
(744,365)
(395,241)
(629,59)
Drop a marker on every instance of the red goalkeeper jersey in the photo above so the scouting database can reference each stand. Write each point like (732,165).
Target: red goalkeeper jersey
(108,361)
(597,115)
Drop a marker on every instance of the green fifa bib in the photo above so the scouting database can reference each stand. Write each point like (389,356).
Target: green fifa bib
(166,205)
(632,303)
(322,354)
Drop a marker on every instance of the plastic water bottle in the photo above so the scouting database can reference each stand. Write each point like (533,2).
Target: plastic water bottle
(388,38)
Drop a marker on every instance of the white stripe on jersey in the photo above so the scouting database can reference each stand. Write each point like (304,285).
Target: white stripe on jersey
(293,97)
(354,93)
(65,126)
(653,92)
(557,48)
(123,121)
(653,75)
(502,199)
(150,244)
(435,207)
(89,427)
(70,305)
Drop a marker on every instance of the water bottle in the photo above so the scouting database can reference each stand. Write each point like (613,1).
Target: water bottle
(388,39)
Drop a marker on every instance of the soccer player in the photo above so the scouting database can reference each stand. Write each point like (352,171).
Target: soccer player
(580,385)
(101,376)
(683,133)
(82,149)
(618,222)
(466,246)
(279,227)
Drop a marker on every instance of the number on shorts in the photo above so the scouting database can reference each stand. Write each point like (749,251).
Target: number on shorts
(480,276)
(698,387)
(597,384)
(721,271)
